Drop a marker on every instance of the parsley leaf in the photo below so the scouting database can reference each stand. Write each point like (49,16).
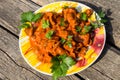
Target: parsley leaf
(60,65)
(62,22)
(62,40)
(45,24)
(55,62)
(25,25)
(103,20)
(65,7)
(78,28)
(69,43)
(27,16)
(70,37)
(62,57)
(30,16)
(69,61)
(86,29)
(94,25)
(36,17)
(49,34)
(102,16)
(64,67)
(57,73)
(83,16)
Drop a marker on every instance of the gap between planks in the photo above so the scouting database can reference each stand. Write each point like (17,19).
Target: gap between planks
(77,75)
(20,65)
(68,78)
(114,47)
(16,36)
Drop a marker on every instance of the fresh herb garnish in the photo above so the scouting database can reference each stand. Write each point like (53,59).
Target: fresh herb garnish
(36,17)
(83,16)
(69,43)
(62,40)
(78,28)
(45,24)
(62,22)
(60,65)
(49,34)
(28,17)
(103,20)
(70,37)
(102,16)
(94,25)
(86,29)
(24,25)
(65,7)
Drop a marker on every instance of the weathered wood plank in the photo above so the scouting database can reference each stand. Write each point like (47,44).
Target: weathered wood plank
(92,74)
(9,17)
(108,66)
(12,71)
(110,7)
(3,77)
(9,44)
(10,11)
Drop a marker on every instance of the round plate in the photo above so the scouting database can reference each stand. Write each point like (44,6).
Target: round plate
(92,54)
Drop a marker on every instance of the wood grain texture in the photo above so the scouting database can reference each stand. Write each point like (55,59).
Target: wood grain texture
(12,63)
(10,11)
(108,65)
(112,10)
(10,48)
(13,72)
(9,44)
(10,14)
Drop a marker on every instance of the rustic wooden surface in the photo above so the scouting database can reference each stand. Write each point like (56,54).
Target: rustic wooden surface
(12,65)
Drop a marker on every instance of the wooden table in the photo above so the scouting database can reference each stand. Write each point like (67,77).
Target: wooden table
(12,65)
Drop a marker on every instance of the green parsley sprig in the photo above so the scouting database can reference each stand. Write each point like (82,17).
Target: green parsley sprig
(49,34)
(78,28)
(62,23)
(69,41)
(28,17)
(62,40)
(45,24)
(60,65)
(99,22)
(86,29)
(83,16)
(102,16)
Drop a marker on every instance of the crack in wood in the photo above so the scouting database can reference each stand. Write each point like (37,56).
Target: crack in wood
(102,73)
(20,65)
(3,76)
(18,38)
(114,48)
(35,3)
(29,1)
(81,78)
(9,32)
